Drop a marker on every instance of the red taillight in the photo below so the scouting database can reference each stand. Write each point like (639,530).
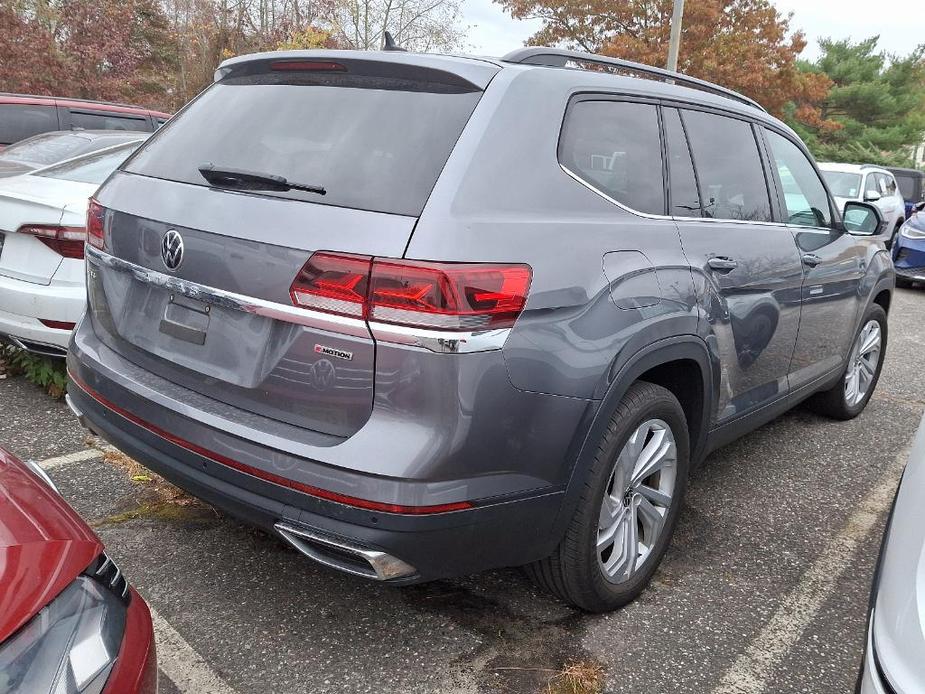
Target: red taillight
(96,215)
(307,65)
(448,296)
(66,241)
(333,283)
(445,296)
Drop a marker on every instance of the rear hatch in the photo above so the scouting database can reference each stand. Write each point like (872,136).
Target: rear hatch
(373,133)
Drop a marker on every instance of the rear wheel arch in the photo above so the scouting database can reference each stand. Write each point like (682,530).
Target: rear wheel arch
(680,364)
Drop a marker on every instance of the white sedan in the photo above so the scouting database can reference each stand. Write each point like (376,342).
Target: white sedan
(42,233)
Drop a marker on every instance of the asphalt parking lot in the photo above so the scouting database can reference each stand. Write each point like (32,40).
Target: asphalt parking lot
(765,587)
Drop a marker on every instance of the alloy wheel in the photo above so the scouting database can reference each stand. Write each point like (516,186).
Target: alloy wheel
(637,500)
(862,364)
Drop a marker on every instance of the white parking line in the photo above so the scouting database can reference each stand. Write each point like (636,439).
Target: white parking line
(182,664)
(77,457)
(752,671)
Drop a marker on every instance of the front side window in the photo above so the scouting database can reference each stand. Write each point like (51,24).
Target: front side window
(806,202)
(732,181)
(615,147)
(19,121)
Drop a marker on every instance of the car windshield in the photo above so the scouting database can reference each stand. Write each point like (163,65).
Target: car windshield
(47,148)
(843,185)
(93,168)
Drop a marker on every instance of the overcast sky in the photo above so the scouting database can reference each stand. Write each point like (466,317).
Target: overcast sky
(899,23)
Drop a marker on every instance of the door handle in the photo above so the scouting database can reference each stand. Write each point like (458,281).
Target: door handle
(811,259)
(722,264)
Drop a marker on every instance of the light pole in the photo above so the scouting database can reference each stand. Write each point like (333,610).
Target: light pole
(677,17)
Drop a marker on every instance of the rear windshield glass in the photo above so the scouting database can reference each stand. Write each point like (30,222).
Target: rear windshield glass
(93,168)
(843,185)
(372,143)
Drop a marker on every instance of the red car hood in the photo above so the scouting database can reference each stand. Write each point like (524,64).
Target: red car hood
(44,544)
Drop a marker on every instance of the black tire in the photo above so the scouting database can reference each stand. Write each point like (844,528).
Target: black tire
(832,403)
(572,572)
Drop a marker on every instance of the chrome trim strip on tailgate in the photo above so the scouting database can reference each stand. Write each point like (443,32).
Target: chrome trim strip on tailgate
(441,341)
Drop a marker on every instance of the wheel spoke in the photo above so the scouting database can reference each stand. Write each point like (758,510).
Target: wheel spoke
(652,520)
(653,457)
(656,496)
(871,340)
(611,511)
(622,562)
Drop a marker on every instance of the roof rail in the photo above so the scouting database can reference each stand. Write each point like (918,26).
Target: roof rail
(559,57)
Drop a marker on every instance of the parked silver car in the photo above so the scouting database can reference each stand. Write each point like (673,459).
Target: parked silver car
(894,663)
(871,184)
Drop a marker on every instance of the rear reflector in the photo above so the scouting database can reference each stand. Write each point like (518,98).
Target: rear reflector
(444,296)
(65,241)
(96,217)
(263,474)
(57,324)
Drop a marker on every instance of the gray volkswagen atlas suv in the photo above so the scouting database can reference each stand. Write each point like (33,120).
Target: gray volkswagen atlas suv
(425,315)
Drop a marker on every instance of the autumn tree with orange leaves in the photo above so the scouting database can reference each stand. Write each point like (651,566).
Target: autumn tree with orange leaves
(741,44)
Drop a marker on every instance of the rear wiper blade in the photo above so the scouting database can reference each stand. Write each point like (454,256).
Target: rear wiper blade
(252,180)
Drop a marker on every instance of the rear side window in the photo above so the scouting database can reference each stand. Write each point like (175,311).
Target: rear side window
(685,201)
(615,147)
(732,182)
(907,186)
(19,121)
(107,121)
(373,143)
(805,200)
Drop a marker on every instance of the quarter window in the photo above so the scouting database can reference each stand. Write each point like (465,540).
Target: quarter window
(615,147)
(805,200)
(732,182)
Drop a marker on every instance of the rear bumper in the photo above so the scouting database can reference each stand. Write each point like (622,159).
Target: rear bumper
(22,304)
(508,529)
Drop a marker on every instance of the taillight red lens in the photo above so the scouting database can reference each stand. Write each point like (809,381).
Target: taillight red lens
(444,296)
(66,241)
(448,296)
(57,324)
(333,283)
(96,217)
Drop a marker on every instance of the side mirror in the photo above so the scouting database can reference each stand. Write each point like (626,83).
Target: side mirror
(862,218)
(919,206)
(871,196)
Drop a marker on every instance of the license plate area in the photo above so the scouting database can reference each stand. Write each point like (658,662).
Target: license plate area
(186,319)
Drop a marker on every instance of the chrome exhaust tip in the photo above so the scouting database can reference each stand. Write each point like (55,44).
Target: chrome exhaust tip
(343,555)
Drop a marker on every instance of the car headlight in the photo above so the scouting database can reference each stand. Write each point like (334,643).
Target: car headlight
(911,232)
(70,646)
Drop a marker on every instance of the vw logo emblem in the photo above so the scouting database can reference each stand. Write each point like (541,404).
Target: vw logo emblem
(172,249)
